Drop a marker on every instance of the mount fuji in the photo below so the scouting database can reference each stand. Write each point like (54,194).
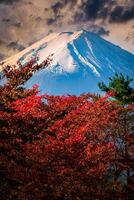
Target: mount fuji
(79,61)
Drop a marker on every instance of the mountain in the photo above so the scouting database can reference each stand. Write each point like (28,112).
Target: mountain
(79,61)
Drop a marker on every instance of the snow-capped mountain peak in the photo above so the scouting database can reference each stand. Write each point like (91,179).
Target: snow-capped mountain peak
(79,61)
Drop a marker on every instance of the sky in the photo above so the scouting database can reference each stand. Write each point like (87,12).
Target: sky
(23,22)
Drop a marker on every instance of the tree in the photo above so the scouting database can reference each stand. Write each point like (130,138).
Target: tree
(61,148)
(120,89)
(120,86)
(53,147)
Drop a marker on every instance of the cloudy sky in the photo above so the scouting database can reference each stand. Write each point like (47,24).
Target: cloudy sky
(22,22)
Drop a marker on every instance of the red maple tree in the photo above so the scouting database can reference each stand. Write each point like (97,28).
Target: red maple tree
(55,147)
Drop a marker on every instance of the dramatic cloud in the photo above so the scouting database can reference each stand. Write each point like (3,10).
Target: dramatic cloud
(22,22)
(56,7)
(92,8)
(120,14)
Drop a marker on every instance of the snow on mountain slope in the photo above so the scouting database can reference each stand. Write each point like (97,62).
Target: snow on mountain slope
(79,61)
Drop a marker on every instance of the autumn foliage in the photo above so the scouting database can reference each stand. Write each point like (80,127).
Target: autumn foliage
(56,147)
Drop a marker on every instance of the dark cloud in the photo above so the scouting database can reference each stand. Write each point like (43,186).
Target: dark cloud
(62,3)
(100,30)
(8,1)
(15,46)
(92,8)
(6,20)
(50,21)
(104,13)
(120,14)
(60,7)
(78,17)
(56,7)
(103,9)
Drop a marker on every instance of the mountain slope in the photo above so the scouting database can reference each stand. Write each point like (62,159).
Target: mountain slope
(79,61)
